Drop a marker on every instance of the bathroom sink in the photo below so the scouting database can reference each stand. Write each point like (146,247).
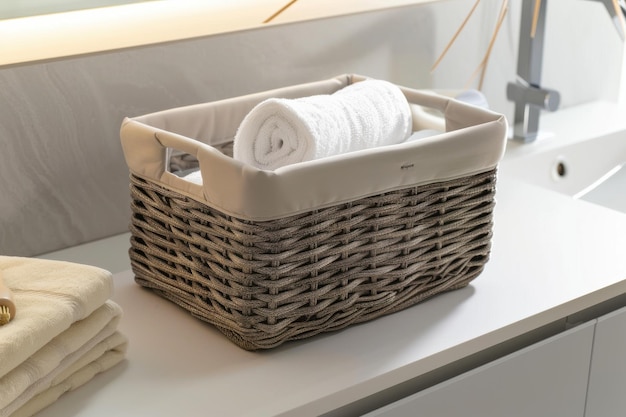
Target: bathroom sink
(582,154)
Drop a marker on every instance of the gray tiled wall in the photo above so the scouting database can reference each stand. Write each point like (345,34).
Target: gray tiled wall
(63,178)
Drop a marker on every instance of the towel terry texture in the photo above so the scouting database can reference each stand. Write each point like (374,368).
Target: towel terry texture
(278,132)
(64,332)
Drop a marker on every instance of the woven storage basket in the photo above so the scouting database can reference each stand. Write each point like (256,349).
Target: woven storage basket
(271,256)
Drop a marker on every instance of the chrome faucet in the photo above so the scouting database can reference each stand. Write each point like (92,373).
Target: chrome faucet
(529,96)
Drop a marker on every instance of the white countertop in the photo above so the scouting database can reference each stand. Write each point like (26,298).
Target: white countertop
(552,256)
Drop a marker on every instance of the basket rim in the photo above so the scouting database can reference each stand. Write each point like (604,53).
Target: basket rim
(474,142)
(194,195)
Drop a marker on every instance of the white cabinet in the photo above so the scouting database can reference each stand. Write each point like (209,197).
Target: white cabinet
(548,378)
(607,378)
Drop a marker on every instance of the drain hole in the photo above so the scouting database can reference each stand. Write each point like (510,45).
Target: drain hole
(561,169)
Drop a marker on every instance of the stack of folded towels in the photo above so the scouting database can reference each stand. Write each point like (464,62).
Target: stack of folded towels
(63,334)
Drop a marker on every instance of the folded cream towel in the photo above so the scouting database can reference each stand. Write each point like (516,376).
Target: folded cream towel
(65,352)
(49,297)
(279,132)
(102,357)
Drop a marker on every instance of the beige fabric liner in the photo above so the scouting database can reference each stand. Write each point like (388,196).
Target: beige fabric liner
(474,142)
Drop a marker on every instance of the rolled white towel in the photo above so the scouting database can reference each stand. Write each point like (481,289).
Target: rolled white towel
(279,132)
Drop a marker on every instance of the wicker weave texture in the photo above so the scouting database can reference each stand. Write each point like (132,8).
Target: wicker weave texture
(264,283)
